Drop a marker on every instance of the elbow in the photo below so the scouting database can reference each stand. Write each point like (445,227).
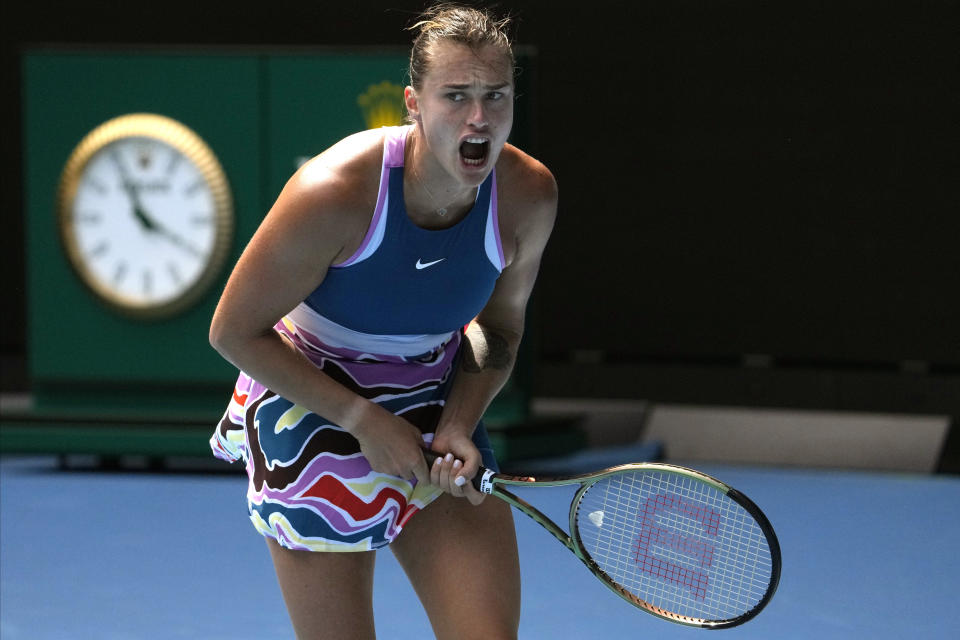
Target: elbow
(220,337)
(235,339)
(215,337)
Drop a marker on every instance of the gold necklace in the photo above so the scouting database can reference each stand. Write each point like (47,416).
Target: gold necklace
(440,211)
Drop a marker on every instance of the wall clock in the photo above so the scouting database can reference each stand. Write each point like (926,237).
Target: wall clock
(145,215)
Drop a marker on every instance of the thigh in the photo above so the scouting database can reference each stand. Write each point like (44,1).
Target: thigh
(329,595)
(462,562)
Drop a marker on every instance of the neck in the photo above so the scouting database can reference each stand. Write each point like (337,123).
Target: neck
(432,191)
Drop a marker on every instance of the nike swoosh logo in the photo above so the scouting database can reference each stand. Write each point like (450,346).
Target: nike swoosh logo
(424,265)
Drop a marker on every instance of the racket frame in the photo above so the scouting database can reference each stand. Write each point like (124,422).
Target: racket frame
(492,483)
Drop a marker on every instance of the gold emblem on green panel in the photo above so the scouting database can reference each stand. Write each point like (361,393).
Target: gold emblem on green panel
(382,105)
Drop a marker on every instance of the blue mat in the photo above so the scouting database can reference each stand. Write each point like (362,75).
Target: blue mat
(111,556)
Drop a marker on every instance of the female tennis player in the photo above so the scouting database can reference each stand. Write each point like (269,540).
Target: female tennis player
(378,309)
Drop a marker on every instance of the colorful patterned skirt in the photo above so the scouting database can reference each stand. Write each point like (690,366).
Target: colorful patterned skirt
(310,487)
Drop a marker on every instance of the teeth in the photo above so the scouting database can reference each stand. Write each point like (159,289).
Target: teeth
(476,140)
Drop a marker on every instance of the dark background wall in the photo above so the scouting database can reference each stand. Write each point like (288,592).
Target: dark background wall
(741,181)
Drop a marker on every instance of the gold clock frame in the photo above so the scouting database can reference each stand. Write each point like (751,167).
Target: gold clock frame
(194,148)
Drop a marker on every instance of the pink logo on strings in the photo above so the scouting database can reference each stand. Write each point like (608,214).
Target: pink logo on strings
(699,552)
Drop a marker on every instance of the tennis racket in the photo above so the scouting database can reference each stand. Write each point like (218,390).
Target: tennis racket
(672,541)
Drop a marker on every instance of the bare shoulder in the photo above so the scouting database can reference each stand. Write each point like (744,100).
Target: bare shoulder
(331,198)
(527,200)
(524,177)
(340,174)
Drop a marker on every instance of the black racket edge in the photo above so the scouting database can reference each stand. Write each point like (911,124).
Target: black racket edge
(738,497)
(775,559)
(775,566)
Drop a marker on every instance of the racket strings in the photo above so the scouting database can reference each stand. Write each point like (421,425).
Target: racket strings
(676,543)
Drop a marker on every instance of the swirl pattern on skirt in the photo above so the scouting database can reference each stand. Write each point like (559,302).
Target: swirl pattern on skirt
(310,487)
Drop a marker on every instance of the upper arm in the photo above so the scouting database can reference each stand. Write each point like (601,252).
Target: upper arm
(532,197)
(313,221)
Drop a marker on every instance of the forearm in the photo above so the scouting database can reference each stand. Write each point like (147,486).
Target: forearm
(487,358)
(276,364)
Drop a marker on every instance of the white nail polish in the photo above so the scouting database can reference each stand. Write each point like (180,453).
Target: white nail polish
(460,481)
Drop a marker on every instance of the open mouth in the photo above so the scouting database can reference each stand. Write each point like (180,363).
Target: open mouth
(473,151)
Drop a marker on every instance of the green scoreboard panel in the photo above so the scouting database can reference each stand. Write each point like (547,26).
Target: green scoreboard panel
(82,352)
(314,101)
(261,114)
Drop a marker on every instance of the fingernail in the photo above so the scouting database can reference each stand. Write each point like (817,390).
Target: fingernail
(448,457)
(460,481)
(457,464)
(437,461)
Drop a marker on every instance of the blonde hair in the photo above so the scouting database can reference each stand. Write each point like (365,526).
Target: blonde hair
(458,23)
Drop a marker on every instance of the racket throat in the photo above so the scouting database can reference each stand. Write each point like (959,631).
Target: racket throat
(537,516)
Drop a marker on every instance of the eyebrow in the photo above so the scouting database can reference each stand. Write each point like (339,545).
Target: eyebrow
(488,87)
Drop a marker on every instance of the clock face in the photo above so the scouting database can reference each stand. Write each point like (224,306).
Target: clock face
(145,215)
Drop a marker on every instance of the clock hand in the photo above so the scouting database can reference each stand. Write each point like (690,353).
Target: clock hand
(142,216)
(178,241)
(138,211)
(152,227)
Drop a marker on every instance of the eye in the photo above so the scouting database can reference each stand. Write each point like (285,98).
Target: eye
(494,95)
(455,96)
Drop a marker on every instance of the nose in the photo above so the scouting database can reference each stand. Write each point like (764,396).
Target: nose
(477,116)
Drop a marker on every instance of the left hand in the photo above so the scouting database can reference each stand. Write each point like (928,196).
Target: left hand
(454,471)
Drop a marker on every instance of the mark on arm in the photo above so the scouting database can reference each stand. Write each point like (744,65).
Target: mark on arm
(485,349)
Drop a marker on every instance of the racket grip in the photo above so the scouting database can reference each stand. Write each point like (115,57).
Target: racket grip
(477,482)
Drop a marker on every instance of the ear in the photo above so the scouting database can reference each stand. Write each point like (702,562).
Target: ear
(413,105)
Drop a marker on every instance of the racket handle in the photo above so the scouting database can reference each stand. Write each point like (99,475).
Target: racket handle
(478,480)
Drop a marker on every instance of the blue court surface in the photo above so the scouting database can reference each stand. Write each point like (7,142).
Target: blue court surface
(140,555)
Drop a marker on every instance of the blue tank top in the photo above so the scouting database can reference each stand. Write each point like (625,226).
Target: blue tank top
(407,280)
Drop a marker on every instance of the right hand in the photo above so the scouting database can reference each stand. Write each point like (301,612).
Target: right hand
(391,444)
